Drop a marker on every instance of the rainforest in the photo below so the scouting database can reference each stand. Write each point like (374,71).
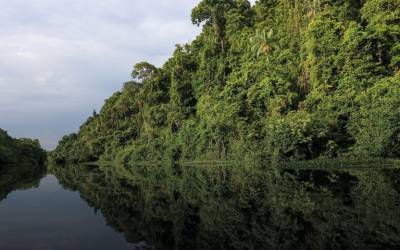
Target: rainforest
(284,80)
(277,127)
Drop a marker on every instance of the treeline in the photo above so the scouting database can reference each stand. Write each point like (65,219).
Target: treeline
(287,79)
(20,151)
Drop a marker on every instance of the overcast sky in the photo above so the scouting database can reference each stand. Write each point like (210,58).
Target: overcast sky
(59,59)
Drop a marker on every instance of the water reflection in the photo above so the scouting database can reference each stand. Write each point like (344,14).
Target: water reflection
(243,207)
(38,214)
(19,177)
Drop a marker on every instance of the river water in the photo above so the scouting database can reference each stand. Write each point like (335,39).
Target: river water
(202,206)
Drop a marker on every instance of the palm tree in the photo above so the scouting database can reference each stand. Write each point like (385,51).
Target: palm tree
(262,42)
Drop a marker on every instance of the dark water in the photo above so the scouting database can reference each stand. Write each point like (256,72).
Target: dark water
(205,206)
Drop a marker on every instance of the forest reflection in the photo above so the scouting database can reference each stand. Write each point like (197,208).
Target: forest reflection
(19,177)
(247,207)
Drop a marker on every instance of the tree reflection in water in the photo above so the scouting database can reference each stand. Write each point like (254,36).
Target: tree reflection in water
(230,207)
(19,177)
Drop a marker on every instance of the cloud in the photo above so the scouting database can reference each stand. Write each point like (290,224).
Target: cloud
(60,59)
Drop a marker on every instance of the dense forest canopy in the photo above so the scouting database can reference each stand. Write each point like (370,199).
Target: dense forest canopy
(284,79)
(20,151)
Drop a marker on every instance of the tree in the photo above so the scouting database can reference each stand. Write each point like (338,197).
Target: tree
(213,13)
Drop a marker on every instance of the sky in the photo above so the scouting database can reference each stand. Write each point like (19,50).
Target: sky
(59,60)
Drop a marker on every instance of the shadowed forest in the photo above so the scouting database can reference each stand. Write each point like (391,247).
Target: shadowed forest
(20,151)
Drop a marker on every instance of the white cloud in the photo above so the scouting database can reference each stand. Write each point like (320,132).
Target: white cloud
(60,59)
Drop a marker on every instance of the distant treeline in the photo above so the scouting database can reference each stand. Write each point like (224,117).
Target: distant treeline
(20,151)
(280,79)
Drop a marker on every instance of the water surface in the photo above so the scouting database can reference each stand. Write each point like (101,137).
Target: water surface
(44,215)
(207,206)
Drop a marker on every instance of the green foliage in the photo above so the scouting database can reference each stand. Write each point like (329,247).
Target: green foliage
(286,79)
(297,135)
(376,126)
(20,151)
